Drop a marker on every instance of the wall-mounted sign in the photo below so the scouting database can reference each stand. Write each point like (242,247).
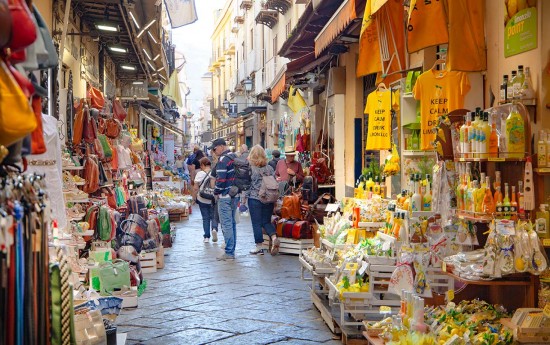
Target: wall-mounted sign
(521,27)
(233,110)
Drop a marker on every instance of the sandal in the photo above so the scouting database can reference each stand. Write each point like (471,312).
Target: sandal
(275,243)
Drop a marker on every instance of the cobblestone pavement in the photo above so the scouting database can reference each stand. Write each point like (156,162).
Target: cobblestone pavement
(198,300)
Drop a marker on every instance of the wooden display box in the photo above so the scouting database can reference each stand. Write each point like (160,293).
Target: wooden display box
(289,245)
(539,335)
(148,262)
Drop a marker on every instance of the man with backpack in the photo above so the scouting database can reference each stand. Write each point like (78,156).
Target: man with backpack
(225,193)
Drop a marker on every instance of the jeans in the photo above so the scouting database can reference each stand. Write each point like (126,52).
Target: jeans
(207,213)
(226,210)
(260,215)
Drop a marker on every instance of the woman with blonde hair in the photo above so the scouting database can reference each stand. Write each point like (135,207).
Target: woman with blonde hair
(260,213)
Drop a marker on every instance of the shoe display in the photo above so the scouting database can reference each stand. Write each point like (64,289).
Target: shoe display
(257,250)
(206,240)
(225,257)
(214,236)
(275,245)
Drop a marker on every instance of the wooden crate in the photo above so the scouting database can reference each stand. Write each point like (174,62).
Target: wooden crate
(160,257)
(148,262)
(289,245)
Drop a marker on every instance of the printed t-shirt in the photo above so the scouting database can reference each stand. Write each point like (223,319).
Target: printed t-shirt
(379,104)
(439,93)
(427,25)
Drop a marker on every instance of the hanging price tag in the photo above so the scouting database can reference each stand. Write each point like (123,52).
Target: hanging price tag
(332,207)
(450,295)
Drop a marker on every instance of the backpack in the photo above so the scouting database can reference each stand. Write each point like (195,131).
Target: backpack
(205,189)
(243,173)
(292,208)
(269,189)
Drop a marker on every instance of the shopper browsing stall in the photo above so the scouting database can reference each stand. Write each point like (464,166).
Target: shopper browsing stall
(202,184)
(227,204)
(261,208)
(289,170)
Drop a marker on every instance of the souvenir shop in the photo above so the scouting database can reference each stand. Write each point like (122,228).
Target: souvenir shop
(80,225)
(445,238)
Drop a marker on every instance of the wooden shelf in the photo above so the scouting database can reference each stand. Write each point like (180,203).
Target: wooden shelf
(490,159)
(497,282)
(542,171)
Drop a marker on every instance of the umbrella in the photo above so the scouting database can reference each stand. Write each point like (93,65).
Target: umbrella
(382,40)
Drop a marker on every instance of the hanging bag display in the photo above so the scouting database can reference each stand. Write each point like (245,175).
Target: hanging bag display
(25,31)
(112,128)
(118,110)
(16,116)
(78,124)
(89,131)
(37,136)
(5,23)
(107,150)
(96,98)
(91,175)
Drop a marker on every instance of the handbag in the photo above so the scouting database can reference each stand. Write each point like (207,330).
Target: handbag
(51,60)
(16,116)
(118,110)
(38,146)
(89,131)
(112,128)
(302,230)
(137,145)
(91,175)
(5,23)
(96,98)
(78,125)
(107,150)
(317,210)
(205,189)
(104,225)
(25,32)
(291,208)
(113,275)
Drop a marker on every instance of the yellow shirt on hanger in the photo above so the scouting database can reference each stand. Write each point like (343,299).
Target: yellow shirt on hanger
(439,93)
(379,104)
(427,25)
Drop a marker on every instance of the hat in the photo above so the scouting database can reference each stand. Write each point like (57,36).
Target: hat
(289,150)
(276,153)
(216,143)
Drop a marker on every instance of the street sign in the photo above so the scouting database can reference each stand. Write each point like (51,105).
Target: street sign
(233,110)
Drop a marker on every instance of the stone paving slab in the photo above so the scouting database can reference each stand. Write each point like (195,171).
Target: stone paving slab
(195,299)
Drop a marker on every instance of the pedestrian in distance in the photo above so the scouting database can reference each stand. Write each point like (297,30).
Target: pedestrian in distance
(203,181)
(276,157)
(244,151)
(260,210)
(227,204)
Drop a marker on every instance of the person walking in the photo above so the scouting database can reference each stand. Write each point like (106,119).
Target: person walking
(227,202)
(276,157)
(243,153)
(206,207)
(179,166)
(260,213)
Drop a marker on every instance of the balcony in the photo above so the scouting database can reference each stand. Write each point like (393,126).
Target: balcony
(280,6)
(267,17)
(246,4)
(229,47)
(239,19)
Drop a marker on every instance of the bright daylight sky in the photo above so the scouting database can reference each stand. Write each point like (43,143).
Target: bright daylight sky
(193,41)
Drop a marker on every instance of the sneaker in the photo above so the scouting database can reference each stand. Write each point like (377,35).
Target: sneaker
(206,240)
(214,236)
(225,257)
(275,245)
(257,250)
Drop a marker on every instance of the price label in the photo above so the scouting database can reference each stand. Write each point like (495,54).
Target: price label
(546,310)
(546,242)
(496,159)
(450,295)
(385,309)
(332,207)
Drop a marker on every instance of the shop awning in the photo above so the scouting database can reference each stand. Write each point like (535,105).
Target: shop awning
(255,108)
(304,65)
(162,122)
(217,130)
(336,25)
(312,20)
(279,87)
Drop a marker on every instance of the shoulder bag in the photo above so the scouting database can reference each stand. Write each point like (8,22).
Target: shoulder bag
(113,275)
(205,189)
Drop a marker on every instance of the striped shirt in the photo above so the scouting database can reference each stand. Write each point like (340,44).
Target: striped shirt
(225,173)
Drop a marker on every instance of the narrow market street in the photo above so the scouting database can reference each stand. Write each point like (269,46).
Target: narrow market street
(198,300)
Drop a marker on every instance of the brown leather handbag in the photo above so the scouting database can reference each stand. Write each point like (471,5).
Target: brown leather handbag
(317,210)
(287,228)
(291,208)
(91,175)
(112,128)
(118,110)
(96,98)
(38,146)
(89,132)
(279,227)
(5,23)
(78,124)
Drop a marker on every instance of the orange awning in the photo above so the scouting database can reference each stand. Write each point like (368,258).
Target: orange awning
(339,21)
(278,88)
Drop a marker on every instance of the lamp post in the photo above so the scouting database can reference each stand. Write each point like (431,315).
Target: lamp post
(226,105)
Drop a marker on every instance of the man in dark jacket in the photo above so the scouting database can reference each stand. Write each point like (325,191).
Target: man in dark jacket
(276,157)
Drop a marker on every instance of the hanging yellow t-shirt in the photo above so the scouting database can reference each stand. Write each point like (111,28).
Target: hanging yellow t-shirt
(379,104)
(439,93)
(427,25)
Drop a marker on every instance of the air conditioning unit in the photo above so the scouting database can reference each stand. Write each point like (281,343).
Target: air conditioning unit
(336,81)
